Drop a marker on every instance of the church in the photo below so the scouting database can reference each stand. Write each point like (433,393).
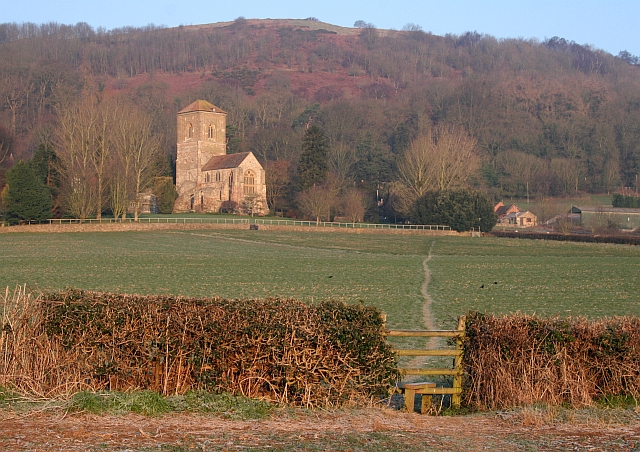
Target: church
(207,178)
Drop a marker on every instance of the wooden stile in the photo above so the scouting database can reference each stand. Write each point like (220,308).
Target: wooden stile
(428,388)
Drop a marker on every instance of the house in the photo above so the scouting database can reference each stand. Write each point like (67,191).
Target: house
(519,219)
(207,178)
(147,203)
(595,217)
(501,210)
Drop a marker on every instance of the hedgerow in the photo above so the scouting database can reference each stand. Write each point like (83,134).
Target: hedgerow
(519,359)
(322,354)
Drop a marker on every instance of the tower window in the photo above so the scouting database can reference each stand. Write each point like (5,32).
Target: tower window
(211,134)
(190,130)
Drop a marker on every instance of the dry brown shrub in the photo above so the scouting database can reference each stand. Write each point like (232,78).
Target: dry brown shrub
(518,359)
(282,350)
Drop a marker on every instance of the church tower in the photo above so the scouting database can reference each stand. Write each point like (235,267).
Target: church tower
(207,178)
(201,135)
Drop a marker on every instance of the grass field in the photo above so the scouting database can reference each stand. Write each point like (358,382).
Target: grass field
(545,278)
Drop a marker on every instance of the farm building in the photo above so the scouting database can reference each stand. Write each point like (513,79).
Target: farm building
(207,178)
(519,219)
(624,218)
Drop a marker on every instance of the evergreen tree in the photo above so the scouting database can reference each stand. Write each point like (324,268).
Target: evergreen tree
(313,160)
(26,198)
(166,194)
(45,163)
(462,210)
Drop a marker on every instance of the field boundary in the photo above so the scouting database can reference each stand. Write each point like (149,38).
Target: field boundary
(585,238)
(257,221)
(241,223)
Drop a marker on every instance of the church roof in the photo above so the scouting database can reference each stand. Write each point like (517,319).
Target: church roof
(226,161)
(201,105)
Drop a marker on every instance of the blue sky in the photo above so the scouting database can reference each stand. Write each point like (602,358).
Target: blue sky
(610,25)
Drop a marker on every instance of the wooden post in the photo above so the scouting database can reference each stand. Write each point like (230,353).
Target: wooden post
(457,364)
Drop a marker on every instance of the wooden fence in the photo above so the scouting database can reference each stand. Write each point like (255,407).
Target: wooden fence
(248,221)
(456,352)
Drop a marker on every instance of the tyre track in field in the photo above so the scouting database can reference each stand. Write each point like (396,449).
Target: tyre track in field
(287,245)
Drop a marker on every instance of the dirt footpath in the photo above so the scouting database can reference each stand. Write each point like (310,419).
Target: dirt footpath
(367,429)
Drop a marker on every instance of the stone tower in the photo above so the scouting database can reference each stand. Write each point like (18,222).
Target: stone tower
(201,135)
(207,178)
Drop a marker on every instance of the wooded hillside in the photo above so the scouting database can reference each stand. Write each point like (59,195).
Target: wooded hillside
(549,118)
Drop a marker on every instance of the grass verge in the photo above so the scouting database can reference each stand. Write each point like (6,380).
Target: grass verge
(147,403)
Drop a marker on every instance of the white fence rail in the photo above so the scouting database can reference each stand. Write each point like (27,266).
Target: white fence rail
(258,221)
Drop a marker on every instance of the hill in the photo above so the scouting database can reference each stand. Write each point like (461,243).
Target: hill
(550,118)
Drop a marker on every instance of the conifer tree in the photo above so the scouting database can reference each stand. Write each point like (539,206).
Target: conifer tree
(26,197)
(313,160)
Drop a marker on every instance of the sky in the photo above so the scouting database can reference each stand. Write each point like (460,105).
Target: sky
(610,25)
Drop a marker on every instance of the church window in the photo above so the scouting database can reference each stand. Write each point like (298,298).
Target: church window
(207,177)
(212,131)
(190,130)
(218,176)
(249,183)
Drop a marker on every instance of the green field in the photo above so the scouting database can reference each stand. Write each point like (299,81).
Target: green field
(384,270)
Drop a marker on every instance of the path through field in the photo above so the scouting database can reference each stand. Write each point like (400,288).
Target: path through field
(427,315)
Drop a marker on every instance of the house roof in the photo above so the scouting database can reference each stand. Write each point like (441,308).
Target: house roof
(226,161)
(576,209)
(503,210)
(201,105)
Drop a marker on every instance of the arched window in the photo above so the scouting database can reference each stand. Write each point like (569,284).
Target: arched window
(211,134)
(218,176)
(249,183)
(190,130)
(207,177)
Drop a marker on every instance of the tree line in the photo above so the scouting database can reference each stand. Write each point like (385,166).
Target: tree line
(534,118)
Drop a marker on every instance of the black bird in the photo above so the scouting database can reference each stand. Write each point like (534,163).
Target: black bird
(495,282)
(332,277)
(482,286)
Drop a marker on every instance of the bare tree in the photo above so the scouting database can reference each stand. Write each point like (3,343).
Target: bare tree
(6,143)
(523,168)
(76,138)
(570,171)
(316,202)
(442,159)
(353,205)
(108,112)
(15,89)
(277,178)
(341,159)
(136,149)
